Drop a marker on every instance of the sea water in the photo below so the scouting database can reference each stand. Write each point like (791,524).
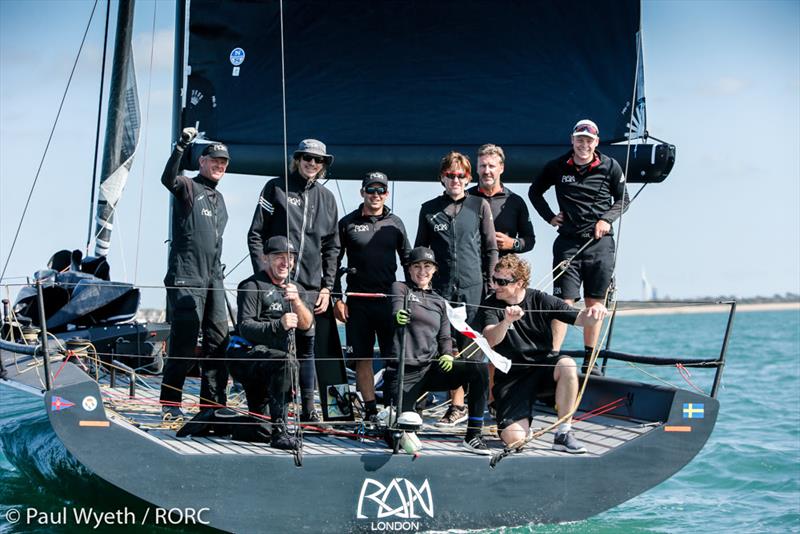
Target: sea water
(746,479)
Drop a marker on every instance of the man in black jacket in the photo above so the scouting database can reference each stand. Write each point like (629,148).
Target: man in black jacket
(270,311)
(512,222)
(312,218)
(373,239)
(195,294)
(591,194)
(460,230)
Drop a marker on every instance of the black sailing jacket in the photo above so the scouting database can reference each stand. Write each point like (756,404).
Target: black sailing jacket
(312,228)
(199,217)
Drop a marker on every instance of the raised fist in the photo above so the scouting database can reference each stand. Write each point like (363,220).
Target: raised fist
(187,136)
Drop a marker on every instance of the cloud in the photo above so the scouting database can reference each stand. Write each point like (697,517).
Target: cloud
(724,86)
(163,45)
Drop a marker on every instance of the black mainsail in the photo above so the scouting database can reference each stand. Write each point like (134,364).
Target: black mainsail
(394,85)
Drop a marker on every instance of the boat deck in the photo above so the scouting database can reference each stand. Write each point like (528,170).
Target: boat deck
(600,434)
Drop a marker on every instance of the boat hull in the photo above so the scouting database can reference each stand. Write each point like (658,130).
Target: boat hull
(377,491)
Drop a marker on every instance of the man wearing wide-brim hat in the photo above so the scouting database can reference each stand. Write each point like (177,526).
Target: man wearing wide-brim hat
(311,212)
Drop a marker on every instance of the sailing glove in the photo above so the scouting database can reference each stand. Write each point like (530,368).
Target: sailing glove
(187,136)
(402,317)
(446,362)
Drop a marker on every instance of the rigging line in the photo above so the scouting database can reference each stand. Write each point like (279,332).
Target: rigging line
(623,206)
(283,111)
(97,130)
(49,139)
(341,198)
(295,369)
(144,144)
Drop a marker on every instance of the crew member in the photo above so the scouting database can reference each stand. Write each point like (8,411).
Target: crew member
(517,322)
(460,231)
(373,239)
(424,330)
(270,312)
(312,218)
(195,293)
(512,222)
(591,194)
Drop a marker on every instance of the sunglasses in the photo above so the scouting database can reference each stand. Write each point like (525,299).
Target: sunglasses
(316,159)
(372,190)
(454,176)
(502,282)
(586,128)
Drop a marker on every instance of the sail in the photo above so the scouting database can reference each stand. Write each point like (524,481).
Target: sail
(395,85)
(122,130)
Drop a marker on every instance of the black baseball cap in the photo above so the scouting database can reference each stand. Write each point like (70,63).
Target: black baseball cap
(216,150)
(277,244)
(422,254)
(375,177)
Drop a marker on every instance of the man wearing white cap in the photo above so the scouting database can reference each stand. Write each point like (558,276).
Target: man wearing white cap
(591,194)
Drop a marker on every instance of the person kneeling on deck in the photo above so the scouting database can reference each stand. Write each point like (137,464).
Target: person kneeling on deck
(270,310)
(527,338)
(423,330)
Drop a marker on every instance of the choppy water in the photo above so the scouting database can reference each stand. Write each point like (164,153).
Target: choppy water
(746,479)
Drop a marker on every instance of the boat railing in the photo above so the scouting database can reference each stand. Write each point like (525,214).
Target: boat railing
(606,354)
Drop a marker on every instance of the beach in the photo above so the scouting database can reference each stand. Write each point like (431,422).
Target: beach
(678,308)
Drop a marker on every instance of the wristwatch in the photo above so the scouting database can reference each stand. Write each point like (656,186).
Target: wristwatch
(516,245)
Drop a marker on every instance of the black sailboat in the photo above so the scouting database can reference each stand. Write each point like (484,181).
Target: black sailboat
(395,84)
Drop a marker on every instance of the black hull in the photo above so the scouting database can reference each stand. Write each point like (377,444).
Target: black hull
(256,493)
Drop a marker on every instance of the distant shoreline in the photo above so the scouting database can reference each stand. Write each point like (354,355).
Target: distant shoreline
(710,308)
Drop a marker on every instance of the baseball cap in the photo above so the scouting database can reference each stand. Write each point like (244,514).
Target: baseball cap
(375,177)
(315,147)
(216,150)
(422,254)
(586,128)
(277,244)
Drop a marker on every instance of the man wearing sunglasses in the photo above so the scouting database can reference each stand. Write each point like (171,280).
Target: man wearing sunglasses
(373,239)
(591,194)
(459,228)
(512,222)
(517,322)
(311,213)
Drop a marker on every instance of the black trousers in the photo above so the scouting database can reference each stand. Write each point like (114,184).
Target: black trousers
(265,375)
(418,380)
(190,311)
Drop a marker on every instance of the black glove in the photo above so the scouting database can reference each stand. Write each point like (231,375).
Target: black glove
(187,136)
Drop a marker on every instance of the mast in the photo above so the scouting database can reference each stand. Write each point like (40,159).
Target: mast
(122,129)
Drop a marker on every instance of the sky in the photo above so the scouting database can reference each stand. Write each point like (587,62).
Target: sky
(722,84)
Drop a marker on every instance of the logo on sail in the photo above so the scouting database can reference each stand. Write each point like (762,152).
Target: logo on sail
(400,499)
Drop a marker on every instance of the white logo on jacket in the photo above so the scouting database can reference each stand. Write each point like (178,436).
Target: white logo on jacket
(441,227)
(206,212)
(294,201)
(567,179)
(361,228)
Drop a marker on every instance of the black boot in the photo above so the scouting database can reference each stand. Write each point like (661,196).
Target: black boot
(280,438)
(587,356)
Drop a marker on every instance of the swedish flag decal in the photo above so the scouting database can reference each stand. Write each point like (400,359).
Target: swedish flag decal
(693,410)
